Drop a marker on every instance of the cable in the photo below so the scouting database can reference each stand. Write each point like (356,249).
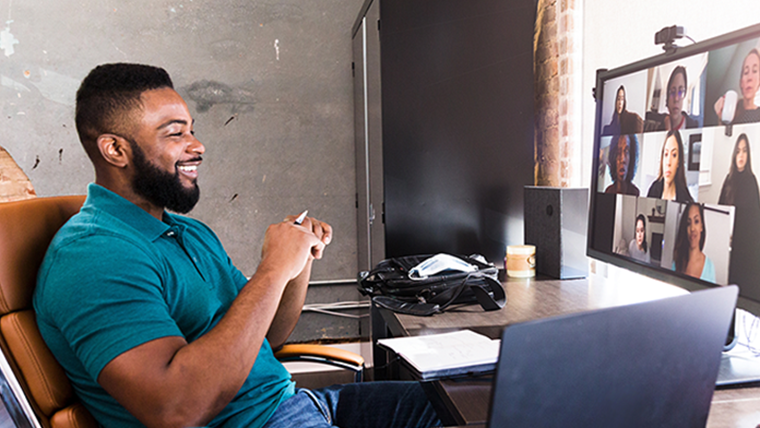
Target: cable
(332,282)
(330,308)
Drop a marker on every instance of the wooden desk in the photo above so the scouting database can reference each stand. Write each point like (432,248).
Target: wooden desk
(466,402)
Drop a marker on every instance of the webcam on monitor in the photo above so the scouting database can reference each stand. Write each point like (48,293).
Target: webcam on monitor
(668,35)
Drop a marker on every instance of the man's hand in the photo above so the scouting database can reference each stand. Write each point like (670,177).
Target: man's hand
(288,246)
(291,303)
(321,230)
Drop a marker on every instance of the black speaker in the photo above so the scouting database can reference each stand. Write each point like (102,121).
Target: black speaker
(555,222)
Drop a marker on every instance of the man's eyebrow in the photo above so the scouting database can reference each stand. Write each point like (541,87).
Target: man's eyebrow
(172,122)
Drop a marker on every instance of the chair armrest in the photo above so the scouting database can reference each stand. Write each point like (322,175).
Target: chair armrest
(296,351)
(323,354)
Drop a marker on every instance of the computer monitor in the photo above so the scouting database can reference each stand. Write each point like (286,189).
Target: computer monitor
(676,164)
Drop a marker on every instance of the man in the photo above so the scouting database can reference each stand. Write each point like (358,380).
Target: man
(144,309)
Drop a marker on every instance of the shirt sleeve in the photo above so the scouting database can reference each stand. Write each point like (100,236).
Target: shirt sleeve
(105,297)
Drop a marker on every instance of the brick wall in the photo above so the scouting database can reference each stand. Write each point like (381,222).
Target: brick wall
(555,75)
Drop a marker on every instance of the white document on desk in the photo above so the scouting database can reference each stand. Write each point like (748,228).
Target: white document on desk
(447,354)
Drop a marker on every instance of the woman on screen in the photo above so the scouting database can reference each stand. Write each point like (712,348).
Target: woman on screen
(688,257)
(740,189)
(638,248)
(623,121)
(622,159)
(671,180)
(676,94)
(740,186)
(749,82)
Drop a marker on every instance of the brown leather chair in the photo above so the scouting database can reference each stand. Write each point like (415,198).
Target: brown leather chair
(42,394)
(26,229)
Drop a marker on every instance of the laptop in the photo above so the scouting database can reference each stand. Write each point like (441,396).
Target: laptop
(651,364)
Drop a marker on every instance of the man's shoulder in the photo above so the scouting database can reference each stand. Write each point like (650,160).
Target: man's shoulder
(94,226)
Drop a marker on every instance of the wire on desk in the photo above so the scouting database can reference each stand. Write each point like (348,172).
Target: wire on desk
(332,308)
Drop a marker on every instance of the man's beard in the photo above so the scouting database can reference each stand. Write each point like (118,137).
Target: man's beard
(160,187)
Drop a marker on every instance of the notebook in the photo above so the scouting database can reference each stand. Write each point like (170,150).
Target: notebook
(446,355)
(651,364)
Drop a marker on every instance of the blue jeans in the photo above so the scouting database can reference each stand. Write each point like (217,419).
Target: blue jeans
(366,405)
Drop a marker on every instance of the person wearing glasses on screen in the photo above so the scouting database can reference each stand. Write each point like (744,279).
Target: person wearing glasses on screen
(638,248)
(623,121)
(622,159)
(688,257)
(749,82)
(676,117)
(671,180)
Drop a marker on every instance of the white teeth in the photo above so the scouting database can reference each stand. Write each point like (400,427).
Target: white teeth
(188,168)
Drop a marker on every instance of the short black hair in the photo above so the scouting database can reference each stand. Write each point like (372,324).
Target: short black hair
(108,94)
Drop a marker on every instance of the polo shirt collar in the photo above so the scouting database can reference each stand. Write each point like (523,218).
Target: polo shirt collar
(98,197)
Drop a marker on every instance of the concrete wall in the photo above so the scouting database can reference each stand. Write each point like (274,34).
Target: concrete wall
(267,81)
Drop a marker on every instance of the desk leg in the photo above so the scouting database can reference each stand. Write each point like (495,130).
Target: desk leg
(379,330)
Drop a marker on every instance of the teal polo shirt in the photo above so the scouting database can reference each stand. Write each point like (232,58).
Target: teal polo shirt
(115,277)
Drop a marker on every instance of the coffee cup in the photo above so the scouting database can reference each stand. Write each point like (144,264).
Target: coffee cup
(521,261)
(729,106)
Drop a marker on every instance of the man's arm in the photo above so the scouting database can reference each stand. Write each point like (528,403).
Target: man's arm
(168,382)
(294,295)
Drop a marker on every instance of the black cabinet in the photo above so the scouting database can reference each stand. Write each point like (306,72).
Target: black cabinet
(444,125)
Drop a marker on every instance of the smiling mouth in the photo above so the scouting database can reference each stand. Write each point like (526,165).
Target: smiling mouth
(189,168)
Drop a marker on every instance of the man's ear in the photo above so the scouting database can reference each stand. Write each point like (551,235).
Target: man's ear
(114,149)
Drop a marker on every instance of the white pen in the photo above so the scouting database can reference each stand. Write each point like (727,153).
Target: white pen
(300,218)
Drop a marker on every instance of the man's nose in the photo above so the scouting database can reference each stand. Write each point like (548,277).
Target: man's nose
(196,147)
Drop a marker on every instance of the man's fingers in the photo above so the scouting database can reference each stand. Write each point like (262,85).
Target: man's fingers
(318,250)
(321,230)
(328,233)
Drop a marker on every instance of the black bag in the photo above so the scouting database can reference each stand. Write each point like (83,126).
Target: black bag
(391,286)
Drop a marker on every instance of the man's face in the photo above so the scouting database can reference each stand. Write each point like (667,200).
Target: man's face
(165,154)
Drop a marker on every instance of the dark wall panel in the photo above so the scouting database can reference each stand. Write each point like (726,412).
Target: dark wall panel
(458,124)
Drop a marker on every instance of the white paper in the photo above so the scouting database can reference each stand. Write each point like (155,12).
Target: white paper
(458,349)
